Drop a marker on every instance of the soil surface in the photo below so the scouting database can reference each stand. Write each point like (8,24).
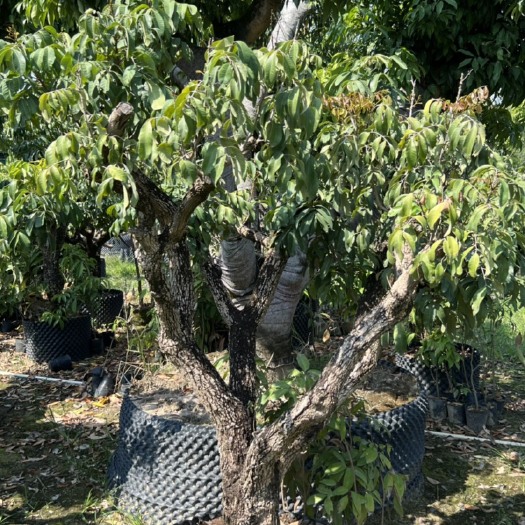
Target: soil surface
(56,440)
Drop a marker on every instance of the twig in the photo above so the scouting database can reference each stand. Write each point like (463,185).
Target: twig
(462,79)
(412,97)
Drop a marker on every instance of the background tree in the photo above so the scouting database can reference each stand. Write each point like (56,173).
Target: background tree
(401,214)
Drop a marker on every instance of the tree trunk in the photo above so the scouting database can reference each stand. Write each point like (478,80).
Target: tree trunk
(252,460)
(289,21)
(51,248)
(274,334)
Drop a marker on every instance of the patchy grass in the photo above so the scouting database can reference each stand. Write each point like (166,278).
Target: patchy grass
(122,275)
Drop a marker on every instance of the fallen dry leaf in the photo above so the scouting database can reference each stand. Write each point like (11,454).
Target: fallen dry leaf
(101,402)
(433,481)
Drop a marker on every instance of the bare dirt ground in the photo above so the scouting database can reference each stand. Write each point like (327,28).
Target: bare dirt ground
(56,441)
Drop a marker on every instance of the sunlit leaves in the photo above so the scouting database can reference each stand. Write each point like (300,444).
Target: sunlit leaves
(467,135)
(146,140)
(56,104)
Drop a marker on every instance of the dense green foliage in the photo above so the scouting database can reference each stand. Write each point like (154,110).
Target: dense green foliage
(342,477)
(481,41)
(328,152)
(338,172)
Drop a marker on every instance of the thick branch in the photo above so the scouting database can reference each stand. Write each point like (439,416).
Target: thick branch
(221,297)
(119,118)
(356,356)
(153,202)
(267,281)
(289,21)
(195,196)
(255,236)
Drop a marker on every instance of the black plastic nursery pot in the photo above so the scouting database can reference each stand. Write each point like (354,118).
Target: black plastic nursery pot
(435,382)
(107,307)
(44,342)
(437,408)
(8,325)
(476,418)
(403,428)
(456,413)
(167,472)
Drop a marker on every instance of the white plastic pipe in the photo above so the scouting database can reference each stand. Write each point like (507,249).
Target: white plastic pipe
(475,438)
(43,378)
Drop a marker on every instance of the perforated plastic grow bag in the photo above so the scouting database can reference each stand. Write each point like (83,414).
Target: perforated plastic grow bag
(44,342)
(164,470)
(107,307)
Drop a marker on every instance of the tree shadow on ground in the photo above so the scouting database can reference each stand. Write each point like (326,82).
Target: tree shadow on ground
(54,452)
(497,510)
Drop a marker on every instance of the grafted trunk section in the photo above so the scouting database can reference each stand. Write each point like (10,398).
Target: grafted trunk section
(274,334)
(239,268)
(290,19)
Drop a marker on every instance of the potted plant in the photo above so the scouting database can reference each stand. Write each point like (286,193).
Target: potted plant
(107,305)
(56,278)
(476,414)
(57,324)
(437,353)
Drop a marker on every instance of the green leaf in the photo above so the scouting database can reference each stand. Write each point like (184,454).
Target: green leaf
(188,170)
(3,227)
(473,265)
(274,133)
(156,96)
(146,141)
(504,193)
(470,141)
(478,299)
(435,213)
(18,61)
(43,58)
(128,75)
(116,173)
(41,182)
(342,504)
(340,491)
(371,454)
(451,247)
(349,479)
(303,362)
(270,70)
(369,502)
(476,217)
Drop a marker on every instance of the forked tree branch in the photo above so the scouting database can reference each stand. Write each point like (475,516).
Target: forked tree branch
(213,275)
(355,357)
